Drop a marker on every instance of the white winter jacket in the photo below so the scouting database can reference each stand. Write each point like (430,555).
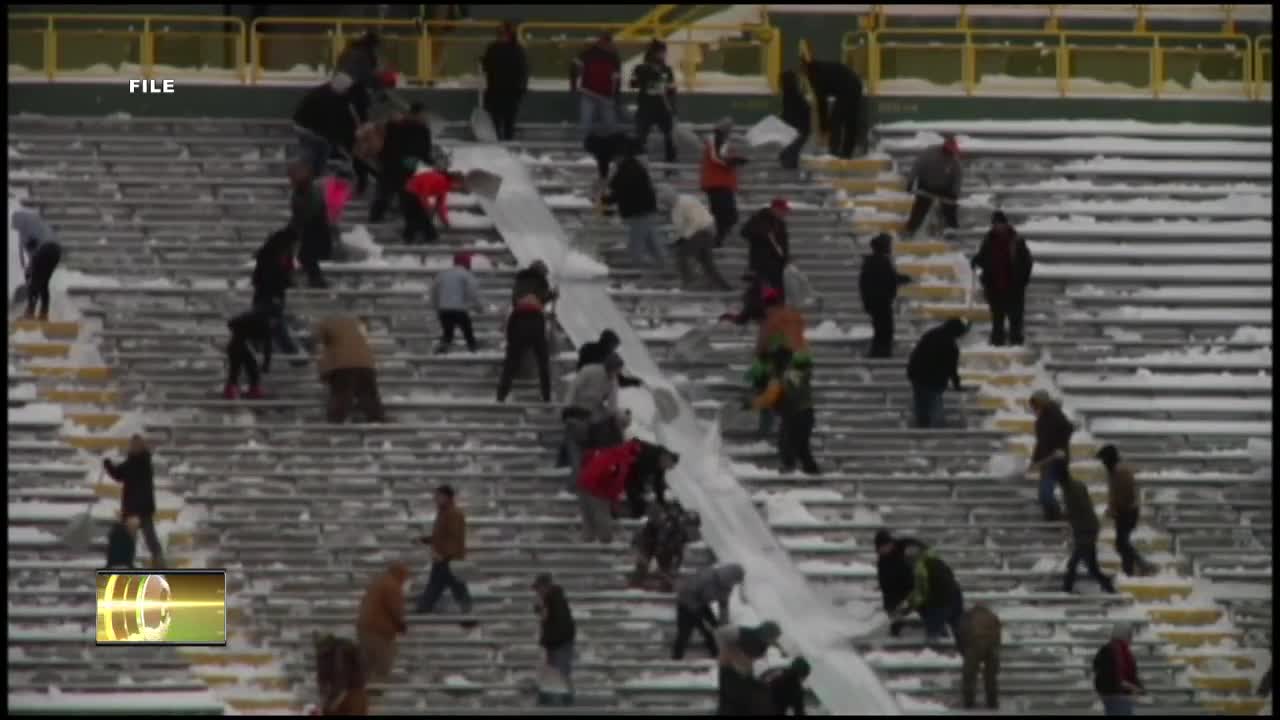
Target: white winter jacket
(689,215)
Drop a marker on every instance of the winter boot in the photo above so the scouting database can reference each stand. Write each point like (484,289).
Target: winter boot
(441,349)
(28,315)
(230,392)
(44,316)
(255,393)
(636,579)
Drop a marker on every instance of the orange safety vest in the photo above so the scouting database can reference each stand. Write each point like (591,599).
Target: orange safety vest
(716,173)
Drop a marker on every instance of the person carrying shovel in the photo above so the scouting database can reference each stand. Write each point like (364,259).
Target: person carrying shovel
(936,177)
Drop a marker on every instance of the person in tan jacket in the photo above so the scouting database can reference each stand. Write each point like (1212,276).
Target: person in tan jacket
(448,541)
(1122,506)
(381,619)
(980,638)
(347,365)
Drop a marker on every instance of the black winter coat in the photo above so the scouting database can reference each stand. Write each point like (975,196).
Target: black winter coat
(594,353)
(531,282)
(743,695)
(786,689)
(139,494)
(360,61)
(273,268)
(645,473)
(795,108)
(255,326)
(832,79)
(506,69)
(655,86)
(1017,264)
(895,574)
(1106,674)
(404,140)
(558,627)
(632,190)
(935,359)
(879,280)
(770,246)
(942,586)
(121,547)
(752,305)
(327,114)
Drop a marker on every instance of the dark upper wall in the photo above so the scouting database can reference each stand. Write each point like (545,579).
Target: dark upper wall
(591,12)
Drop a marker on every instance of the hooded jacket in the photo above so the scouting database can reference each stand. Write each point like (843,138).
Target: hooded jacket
(596,71)
(783,326)
(1122,490)
(604,470)
(557,628)
(713,585)
(938,172)
(879,280)
(895,575)
(593,391)
(646,473)
(1080,513)
(1005,261)
(139,494)
(344,345)
(407,143)
(795,108)
(595,353)
(506,68)
(936,357)
(1053,432)
(327,113)
(382,607)
(632,189)
(455,289)
(360,61)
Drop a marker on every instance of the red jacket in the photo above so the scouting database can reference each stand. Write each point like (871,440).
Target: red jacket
(605,470)
(432,189)
(717,171)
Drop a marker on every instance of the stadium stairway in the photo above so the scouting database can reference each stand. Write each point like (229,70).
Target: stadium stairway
(301,513)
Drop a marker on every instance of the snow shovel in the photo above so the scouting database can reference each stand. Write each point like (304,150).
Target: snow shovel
(483,183)
(78,531)
(693,343)
(771,131)
(481,122)
(664,401)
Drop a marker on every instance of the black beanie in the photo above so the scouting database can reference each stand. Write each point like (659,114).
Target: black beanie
(883,537)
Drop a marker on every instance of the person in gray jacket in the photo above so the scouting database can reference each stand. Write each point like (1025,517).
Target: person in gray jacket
(694,597)
(454,293)
(590,413)
(936,175)
(39,255)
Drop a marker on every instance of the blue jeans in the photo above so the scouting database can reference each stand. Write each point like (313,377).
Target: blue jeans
(597,115)
(1050,473)
(440,579)
(642,240)
(938,619)
(314,151)
(1117,705)
(576,433)
(927,404)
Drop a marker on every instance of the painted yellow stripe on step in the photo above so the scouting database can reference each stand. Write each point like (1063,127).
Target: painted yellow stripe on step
(946,312)
(94,397)
(96,421)
(54,330)
(1239,662)
(932,292)
(79,373)
(1193,638)
(95,442)
(59,350)
(859,165)
(195,656)
(879,226)
(1148,593)
(1235,706)
(922,247)
(926,269)
(867,185)
(884,204)
(1186,616)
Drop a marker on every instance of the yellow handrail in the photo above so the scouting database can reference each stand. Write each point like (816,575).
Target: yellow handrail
(1260,65)
(146,37)
(969,44)
(337,38)
(879,16)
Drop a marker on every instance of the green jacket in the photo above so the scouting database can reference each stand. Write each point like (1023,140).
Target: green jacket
(935,583)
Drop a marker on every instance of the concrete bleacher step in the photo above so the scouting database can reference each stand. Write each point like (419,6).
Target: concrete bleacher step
(53,330)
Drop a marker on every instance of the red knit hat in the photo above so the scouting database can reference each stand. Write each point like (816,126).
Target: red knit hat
(769,294)
(950,145)
(462,259)
(388,78)
(780,204)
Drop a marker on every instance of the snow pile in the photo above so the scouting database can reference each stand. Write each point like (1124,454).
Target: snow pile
(1004,465)
(469,221)
(1230,206)
(829,330)
(567,201)
(1195,356)
(1260,451)
(1082,226)
(36,414)
(1168,168)
(360,240)
(579,266)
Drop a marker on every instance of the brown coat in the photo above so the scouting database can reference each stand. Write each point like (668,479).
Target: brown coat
(382,608)
(1122,490)
(783,323)
(980,628)
(369,139)
(344,345)
(449,536)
